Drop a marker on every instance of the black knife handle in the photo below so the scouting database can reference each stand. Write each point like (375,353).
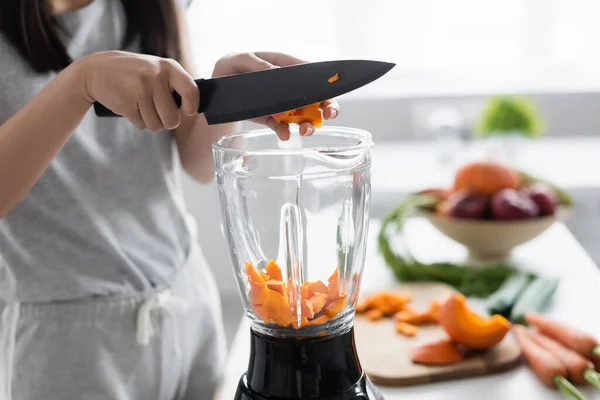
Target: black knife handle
(205,95)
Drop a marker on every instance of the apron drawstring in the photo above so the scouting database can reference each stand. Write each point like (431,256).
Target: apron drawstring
(172,305)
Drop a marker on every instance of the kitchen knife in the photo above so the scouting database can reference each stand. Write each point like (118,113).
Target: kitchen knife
(261,93)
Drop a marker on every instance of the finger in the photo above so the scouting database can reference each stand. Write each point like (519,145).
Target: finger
(331,109)
(280,59)
(307,129)
(281,129)
(250,62)
(181,82)
(149,114)
(135,118)
(165,106)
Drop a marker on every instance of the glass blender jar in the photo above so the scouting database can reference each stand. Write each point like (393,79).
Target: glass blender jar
(295,215)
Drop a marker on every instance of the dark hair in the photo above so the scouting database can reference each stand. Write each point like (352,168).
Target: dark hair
(31,28)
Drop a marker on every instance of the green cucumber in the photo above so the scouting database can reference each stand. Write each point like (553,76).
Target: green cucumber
(535,298)
(502,301)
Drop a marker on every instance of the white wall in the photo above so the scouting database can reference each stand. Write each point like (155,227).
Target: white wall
(389,119)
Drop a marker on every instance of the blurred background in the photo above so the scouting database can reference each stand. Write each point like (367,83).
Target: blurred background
(519,79)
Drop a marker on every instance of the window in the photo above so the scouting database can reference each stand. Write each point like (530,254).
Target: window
(438,45)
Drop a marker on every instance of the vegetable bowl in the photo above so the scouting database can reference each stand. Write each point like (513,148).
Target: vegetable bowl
(492,208)
(489,239)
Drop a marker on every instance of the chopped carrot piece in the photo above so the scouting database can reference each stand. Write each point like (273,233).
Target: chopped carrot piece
(277,286)
(406,329)
(335,307)
(258,294)
(254,275)
(278,308)
(260,311)
(316,287)
(307,309)
(334,287)
(374,314)
(318,302)
(334,78)
(274,271)
(403,316)
(310,113)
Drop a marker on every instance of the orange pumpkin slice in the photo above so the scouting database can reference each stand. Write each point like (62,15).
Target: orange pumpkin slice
(310,113)
(274,271)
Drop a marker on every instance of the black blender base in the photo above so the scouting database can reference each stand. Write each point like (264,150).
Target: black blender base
(325,368)
(359,391)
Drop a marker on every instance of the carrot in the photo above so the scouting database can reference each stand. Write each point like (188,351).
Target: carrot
(406,329)
(441,352)
(575,363)
(374,314)
(573,338)
(545,365)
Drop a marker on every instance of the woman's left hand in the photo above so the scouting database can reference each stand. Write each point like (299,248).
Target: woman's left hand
(239,63)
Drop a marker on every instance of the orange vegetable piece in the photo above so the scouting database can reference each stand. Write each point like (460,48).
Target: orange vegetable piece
(310,113)
(316,287)
(274,271)
(258,294)
(403,316)
(304,291)
(374,314)
(307,309)
(406,329)
(335,306)
(486,177)
(334,287)
(277,286)
(362,308)
(415,318)
(334,78)
(434,310)
(441,352)
(469,329)
(318,301)
(254,275)
(278,309)
(260,311)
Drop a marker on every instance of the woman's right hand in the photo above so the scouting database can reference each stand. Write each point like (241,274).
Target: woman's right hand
(139,87)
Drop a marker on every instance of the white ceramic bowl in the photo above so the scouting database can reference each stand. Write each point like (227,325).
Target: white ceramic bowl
(490,239)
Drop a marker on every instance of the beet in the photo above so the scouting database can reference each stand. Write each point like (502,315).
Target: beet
(465,204)
(509,204)
(544,196)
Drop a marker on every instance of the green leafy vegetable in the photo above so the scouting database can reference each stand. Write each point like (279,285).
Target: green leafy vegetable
(469,281)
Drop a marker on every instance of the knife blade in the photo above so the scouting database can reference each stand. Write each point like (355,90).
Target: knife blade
(256,94)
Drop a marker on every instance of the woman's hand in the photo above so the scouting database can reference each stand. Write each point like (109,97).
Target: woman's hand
(139,87)
(249,62)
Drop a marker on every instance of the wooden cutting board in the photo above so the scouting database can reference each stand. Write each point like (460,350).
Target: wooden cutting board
(384,354)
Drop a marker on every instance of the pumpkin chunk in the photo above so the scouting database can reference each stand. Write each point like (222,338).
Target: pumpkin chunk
(334,78)
(310,113)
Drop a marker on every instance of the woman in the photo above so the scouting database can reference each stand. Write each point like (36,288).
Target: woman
(104,293)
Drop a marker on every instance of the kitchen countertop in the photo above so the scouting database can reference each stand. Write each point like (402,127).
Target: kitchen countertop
(555,253)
